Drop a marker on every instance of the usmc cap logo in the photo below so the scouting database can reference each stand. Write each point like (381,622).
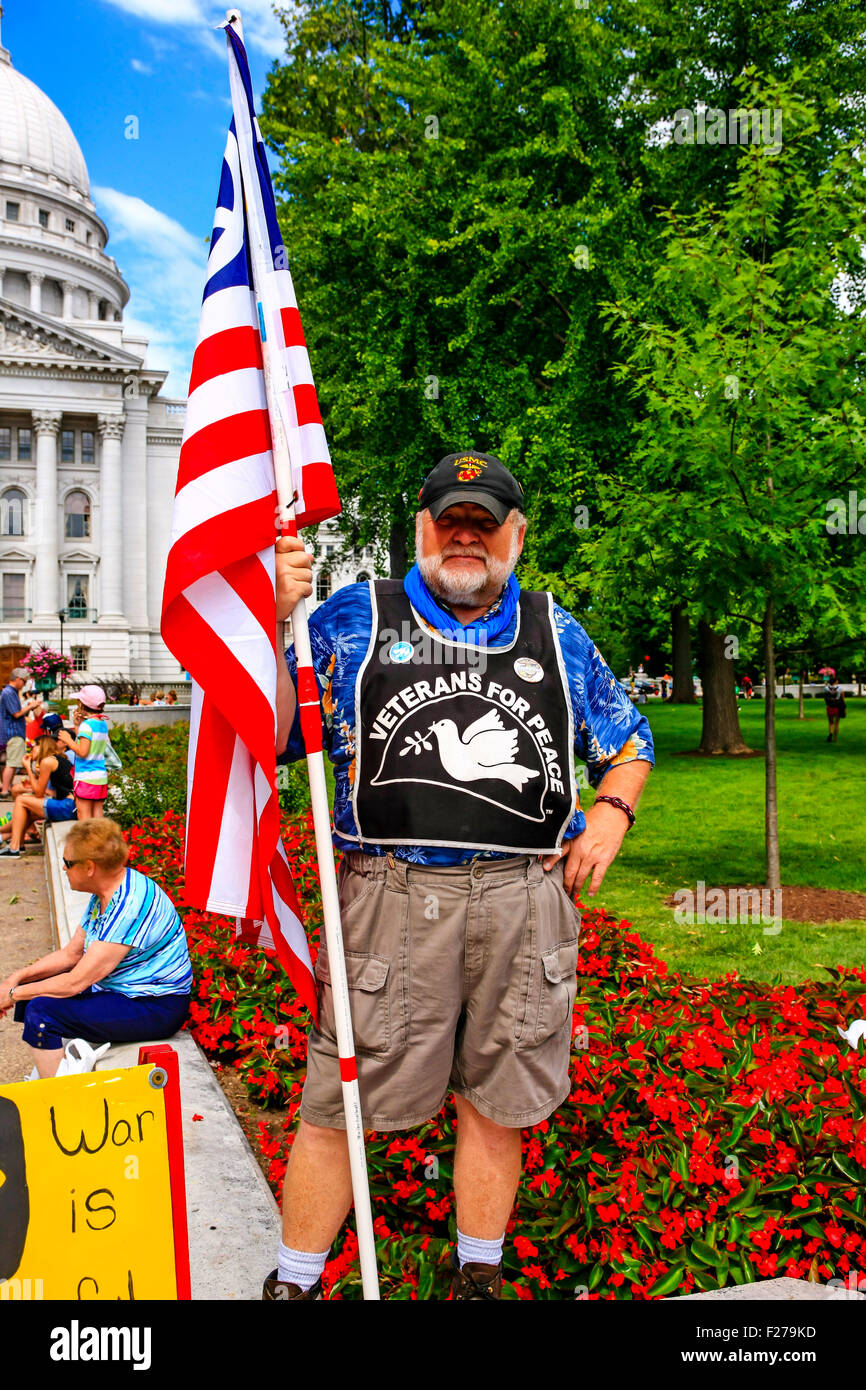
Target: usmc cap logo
(469,468)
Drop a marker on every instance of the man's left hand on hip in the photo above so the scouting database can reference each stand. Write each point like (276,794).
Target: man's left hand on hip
(594,851)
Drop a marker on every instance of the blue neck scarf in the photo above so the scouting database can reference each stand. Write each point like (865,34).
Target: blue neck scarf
(482,632)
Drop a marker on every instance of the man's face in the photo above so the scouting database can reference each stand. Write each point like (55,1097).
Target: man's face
(17,683)
(465,556)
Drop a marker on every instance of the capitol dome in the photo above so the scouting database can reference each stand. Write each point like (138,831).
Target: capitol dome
(52,240)
(34,134)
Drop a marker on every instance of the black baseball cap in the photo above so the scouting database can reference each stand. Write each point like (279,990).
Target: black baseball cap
(471,477)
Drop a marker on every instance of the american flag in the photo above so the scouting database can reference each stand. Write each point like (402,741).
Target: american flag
(219,607)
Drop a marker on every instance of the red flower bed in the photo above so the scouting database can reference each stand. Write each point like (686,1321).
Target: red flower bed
(715,1132)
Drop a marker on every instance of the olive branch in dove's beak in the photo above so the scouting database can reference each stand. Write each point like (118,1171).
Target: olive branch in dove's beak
(416,743)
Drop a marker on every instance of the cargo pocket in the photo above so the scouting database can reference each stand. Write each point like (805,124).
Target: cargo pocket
(369,1001)
(552,994)
(558,989)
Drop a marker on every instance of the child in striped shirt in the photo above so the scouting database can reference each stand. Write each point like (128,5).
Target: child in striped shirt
(90,787)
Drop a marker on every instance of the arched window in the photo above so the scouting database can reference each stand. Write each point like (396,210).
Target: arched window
(362,578)
(12,506)
(76,510)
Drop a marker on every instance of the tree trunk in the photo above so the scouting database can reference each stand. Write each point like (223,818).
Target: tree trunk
(720,732)
(683,689)
(771,811)
(801,713)
(397,550)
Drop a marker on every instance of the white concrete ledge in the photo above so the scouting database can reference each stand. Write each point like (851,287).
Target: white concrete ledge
(777,1290)
(146,716)
(234,1223)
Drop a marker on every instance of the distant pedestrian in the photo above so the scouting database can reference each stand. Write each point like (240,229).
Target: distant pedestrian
(171,697)
(91,777)
(159,698)
(748,690)
(13,715)
(835,702)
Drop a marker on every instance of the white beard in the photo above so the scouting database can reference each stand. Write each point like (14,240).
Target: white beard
(465,586)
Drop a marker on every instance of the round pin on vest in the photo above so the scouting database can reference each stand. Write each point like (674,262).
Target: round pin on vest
(528,669)
(401,652)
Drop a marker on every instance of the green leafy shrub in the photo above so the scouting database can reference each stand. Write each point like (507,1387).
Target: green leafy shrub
(153,778)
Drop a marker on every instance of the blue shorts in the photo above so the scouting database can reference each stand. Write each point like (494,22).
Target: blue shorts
(102,1015)
(60,810)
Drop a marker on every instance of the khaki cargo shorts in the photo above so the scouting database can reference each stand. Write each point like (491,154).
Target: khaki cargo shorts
(16,750)
(460,979)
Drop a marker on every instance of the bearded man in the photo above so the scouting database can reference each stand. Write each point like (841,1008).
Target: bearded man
(453,706)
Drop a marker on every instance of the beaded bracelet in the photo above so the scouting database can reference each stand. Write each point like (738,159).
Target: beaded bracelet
(623,806)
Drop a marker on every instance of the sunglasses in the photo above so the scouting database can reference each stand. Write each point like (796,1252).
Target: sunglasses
(68,863)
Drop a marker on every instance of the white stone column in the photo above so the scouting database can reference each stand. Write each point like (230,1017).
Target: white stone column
(93,302)
(36,290)
(111,519)
(68,287)
(45,531)
(135,517)
(2,273)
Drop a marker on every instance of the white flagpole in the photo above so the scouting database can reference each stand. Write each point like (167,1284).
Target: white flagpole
(269,304)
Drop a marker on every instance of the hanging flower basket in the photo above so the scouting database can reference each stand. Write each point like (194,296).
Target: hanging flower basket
(47,667)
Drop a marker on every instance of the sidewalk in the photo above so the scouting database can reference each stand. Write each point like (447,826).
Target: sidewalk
(25,935)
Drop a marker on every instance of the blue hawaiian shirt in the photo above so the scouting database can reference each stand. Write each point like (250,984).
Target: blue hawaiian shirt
(608,730)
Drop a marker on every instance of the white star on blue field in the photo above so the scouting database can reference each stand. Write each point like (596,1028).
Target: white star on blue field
(163,63)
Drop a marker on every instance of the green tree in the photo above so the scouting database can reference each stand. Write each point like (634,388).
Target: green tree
(749,359)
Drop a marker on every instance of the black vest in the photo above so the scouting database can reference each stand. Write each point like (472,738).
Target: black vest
(465,747)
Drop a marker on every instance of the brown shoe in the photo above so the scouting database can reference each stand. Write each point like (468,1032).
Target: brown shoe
(275,1291)
(475,1281)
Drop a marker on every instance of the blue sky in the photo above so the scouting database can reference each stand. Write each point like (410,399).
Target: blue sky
(102,61)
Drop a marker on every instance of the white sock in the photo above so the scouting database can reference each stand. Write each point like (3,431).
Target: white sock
(300,1267)
(481,1252)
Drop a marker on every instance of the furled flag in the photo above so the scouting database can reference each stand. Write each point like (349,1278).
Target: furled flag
(219,607)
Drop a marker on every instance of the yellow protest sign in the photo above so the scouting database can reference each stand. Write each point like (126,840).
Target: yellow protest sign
(86,1208)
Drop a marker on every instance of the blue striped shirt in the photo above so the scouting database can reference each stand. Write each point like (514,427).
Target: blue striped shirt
(608,730)
(141,916)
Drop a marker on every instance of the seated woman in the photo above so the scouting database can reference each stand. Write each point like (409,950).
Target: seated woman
(46,793)
(125,975)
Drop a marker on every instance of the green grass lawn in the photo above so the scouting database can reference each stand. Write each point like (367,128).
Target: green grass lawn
(703,819)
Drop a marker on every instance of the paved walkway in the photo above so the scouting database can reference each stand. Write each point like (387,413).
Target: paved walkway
(25,935)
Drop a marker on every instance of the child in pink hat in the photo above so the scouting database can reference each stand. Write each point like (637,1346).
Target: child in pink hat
(90,787)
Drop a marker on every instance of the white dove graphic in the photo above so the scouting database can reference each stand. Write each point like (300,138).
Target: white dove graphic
(486,749)
(854,1033)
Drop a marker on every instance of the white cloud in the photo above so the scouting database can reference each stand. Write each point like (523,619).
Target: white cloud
(164,266)
(262,29)
(163,11)
(138,66)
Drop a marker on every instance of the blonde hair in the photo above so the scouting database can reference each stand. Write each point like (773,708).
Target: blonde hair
(45,747)
(100,840)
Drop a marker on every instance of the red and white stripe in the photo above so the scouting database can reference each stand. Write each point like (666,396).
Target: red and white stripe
(219,614)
